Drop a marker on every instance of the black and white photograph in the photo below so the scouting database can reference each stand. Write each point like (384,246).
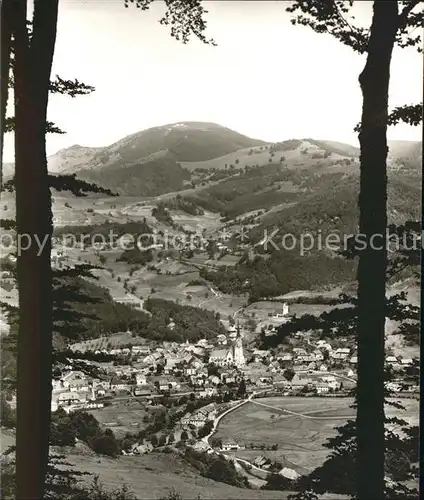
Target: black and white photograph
(210,249)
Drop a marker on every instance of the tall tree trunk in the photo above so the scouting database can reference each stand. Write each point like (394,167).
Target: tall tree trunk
(374,81)
(6,38)
(33,61)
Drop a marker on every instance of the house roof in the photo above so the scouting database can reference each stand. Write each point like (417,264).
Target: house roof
(118,381)
(219,353)
(80,383)
(68,395)
(229,441)
(391,359)
(261,352)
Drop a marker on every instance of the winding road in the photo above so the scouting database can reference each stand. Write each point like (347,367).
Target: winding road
(205,439)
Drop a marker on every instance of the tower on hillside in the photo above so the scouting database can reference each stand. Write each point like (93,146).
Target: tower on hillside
(238,354)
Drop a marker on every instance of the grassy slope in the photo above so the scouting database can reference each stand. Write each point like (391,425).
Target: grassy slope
(153,476)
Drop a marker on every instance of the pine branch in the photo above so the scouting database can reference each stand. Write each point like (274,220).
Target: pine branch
(76,186)
(78,271)
(69,183)
(51,128)
(72,88)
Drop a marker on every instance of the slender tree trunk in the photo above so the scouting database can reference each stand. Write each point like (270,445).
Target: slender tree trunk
(6,38)
(374,82)
(33,61)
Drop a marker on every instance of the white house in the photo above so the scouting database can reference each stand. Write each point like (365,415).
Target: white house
(285,357)
(334,384)
(323,388)
(68,398)
(342,353)
(391,360)
(119,385)
(406,361)
(230,445)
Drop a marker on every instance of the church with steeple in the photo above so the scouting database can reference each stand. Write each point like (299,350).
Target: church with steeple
(233,355)
(238,354)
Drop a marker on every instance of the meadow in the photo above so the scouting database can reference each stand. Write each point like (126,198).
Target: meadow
(155,475)
(121,417)
(299,438)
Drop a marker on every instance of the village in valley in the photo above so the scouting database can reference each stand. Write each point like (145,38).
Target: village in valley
(207,377)
(204,381)
(194,300)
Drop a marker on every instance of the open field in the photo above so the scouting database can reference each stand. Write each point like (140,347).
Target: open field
(122,418)
(300,440)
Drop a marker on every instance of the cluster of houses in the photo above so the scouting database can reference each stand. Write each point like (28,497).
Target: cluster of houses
(171,368)
(199,418)
(145,371)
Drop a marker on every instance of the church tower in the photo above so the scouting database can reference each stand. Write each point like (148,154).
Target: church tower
(238,354)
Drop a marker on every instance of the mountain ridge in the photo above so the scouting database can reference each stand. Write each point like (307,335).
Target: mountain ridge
(128,149)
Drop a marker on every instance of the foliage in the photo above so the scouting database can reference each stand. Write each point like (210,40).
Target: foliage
(333,17)
(206,429)
(67,427)
(136,256)
(215,467)
(191,323)
(150,178)
(182,203)
(185,18)
(249,189)
(278,482)
(280,274)
(241,391)
(7,415)
(162,215)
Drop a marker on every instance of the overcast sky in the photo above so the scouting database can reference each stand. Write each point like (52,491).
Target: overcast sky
(266,79)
